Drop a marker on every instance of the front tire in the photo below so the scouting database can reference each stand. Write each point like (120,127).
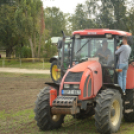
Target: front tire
(45,120)
(108,111)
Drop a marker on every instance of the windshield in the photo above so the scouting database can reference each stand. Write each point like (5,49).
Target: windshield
(102,48)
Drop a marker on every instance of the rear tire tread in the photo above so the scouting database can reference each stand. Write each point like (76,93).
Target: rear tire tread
(103,101)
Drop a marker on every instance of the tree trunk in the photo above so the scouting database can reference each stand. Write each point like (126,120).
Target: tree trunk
(9,52)
(40,39)
(32,48)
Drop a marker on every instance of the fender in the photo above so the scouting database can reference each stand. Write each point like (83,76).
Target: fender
(112,86)
(54,85)
(53,58)
(130,77)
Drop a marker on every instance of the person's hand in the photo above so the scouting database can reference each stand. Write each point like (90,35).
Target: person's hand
(117,47)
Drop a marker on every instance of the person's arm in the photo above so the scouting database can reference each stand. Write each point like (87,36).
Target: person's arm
(119,50)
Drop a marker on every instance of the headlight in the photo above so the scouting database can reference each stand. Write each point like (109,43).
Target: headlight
(76,86)
(66,86)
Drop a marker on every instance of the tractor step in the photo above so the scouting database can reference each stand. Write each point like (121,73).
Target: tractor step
(129,111)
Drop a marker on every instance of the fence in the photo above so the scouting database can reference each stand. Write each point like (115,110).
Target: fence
(31,63)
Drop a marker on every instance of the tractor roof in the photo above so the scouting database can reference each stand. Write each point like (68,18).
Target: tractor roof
(101,32)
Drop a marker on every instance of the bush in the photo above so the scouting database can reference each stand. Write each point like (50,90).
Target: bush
(23,52)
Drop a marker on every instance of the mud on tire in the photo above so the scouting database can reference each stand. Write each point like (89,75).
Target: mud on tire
(108,111)
(45,120)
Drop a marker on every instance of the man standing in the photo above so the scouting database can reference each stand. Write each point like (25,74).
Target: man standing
(124,52)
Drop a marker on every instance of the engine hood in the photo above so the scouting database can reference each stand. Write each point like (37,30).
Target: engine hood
(82,66)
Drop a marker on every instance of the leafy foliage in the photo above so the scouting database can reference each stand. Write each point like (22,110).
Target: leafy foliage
(55,21)
(113,14)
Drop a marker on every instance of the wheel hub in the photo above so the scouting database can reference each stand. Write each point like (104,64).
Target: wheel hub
(55,117)
(115,112)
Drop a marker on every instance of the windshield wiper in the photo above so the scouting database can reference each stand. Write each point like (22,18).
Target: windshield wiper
(84,45)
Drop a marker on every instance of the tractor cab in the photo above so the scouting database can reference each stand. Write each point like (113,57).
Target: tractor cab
(90,44)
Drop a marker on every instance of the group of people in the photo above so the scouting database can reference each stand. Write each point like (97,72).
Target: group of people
(123,51)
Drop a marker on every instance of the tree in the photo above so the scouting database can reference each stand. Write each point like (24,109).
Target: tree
(8,34)
(55,21)
(26,16)
(101,14)
(42,28)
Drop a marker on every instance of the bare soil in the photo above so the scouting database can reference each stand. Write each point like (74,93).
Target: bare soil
(17,93)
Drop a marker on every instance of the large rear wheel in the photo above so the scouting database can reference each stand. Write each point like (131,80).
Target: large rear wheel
(129,106)
(46,120)
(108,111)
(55,74)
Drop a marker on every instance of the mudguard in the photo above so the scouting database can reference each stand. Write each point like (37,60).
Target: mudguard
(53,58)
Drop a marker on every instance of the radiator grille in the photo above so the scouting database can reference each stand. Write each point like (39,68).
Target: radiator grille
(73,77)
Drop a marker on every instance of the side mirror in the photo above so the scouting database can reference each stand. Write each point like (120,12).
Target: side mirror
(59,44)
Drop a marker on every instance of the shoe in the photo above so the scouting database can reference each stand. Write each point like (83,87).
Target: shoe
(124,93)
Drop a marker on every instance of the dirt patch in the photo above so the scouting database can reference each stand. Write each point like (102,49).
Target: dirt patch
(17,93)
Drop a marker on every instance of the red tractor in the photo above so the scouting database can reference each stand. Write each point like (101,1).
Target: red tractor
(89,85)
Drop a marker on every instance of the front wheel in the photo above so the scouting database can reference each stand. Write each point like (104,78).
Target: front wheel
(108,111)
(46,120)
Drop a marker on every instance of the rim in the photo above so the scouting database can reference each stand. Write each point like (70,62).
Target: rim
(115,112)
(55,74)
(55,117)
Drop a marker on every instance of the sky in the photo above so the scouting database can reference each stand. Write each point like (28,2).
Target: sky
(67,6)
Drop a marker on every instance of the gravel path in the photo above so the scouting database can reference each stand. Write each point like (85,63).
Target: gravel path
(28,71)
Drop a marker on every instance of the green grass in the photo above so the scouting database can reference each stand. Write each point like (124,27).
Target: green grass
(23,122)
(26,65)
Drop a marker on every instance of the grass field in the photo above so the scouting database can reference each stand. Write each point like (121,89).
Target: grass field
(17,96)
(26,65)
